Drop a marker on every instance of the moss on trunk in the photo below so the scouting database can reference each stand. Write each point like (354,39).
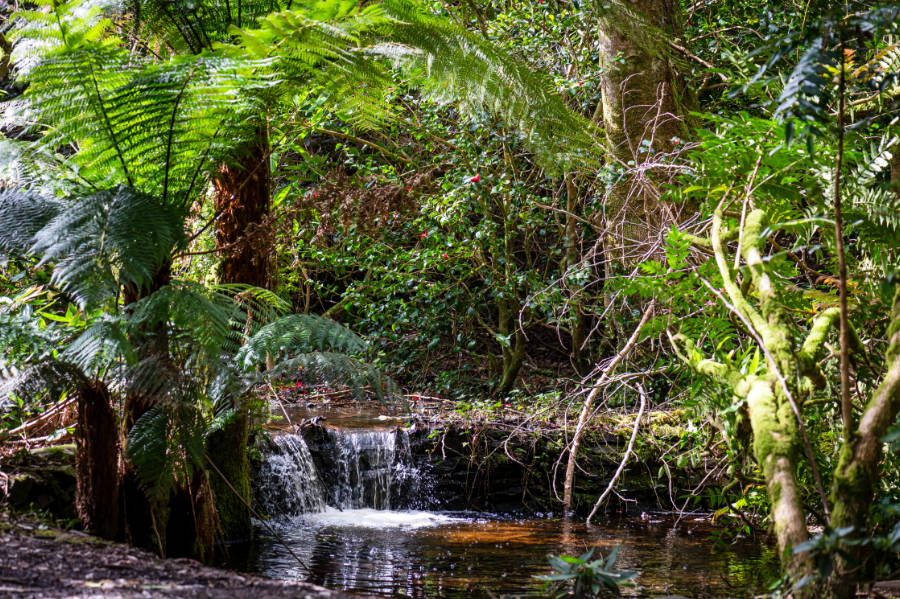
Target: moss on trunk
(227,448)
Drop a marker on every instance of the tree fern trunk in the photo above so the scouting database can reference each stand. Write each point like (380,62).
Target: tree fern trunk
(97,462)
(242,203)
(242,208)
(141,525)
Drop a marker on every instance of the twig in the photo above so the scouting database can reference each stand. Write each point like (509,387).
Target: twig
(280,403)
(628,451)
(43,417)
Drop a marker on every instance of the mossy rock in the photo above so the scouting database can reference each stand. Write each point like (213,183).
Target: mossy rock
(43,478)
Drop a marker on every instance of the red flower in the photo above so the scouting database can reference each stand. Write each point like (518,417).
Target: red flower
(315,195)
(476,178)
(445,256)
(423,235)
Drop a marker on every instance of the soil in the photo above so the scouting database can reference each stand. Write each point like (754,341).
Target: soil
(37,561)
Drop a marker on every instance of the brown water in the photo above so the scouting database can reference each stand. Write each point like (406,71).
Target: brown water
(423,554)
(454,555)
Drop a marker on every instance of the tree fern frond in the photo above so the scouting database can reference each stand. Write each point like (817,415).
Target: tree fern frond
(461,65)
(22,215)
(147,449)
(99,346)
(152,124)
(336,369)
(48,378)
(110,238)
(298,333)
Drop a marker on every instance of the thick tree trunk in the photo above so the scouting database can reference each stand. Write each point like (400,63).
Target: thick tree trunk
(242,207)
(242,203)
(643,106)
(97,462)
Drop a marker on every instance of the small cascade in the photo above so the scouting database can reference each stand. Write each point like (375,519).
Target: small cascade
(338,468)
(364,462)
(287,483)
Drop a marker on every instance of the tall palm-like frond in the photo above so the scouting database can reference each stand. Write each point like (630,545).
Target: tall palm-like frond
(96,243)
(341,49)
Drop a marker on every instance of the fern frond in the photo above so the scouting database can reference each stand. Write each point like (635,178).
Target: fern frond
(208,323)
(48,378)
(298,333)
(156,126)
(22,215)
(329,368)
(99,346)
(108,239)
(147,449)
(463,66)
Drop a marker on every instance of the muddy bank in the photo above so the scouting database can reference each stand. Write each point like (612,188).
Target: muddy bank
(40,562)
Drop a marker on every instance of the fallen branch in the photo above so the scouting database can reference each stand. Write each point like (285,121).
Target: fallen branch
(43,417)
(586,408)
(628,452)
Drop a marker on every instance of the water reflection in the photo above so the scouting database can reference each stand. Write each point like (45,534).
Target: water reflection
(417,554)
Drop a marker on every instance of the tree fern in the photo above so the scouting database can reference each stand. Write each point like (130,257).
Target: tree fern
(95,243)
(148,450)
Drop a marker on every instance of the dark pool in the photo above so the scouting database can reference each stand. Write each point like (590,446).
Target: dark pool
(449,555)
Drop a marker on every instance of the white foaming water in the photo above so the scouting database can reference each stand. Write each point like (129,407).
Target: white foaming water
(287,482)
(378,519)
(357,471)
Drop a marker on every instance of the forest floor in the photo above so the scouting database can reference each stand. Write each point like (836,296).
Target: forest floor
(37,561)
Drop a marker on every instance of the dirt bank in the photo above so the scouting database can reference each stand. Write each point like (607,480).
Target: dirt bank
(39,562)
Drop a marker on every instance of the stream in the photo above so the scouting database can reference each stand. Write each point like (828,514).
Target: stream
(358,511)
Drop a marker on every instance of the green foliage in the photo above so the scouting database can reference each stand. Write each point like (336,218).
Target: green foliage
(581,578)
(96,243)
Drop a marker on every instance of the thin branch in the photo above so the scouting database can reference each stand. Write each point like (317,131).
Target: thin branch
(628,451)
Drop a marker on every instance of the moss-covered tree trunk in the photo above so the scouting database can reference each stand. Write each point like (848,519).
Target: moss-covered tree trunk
(242,204)
(770,395)
(776,447)
(643,105)
(97,462)
(856,476)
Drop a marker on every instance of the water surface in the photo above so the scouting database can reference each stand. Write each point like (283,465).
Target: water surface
(455,555)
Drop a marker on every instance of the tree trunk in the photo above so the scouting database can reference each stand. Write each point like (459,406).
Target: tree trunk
(97,462)
(242,208)
(856,476)
(514,352)
(776,448)
(643,105)
(144,525)
(579,326)
(242,203)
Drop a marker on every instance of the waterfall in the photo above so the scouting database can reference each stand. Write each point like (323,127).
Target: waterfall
(344,469)
(364,461)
